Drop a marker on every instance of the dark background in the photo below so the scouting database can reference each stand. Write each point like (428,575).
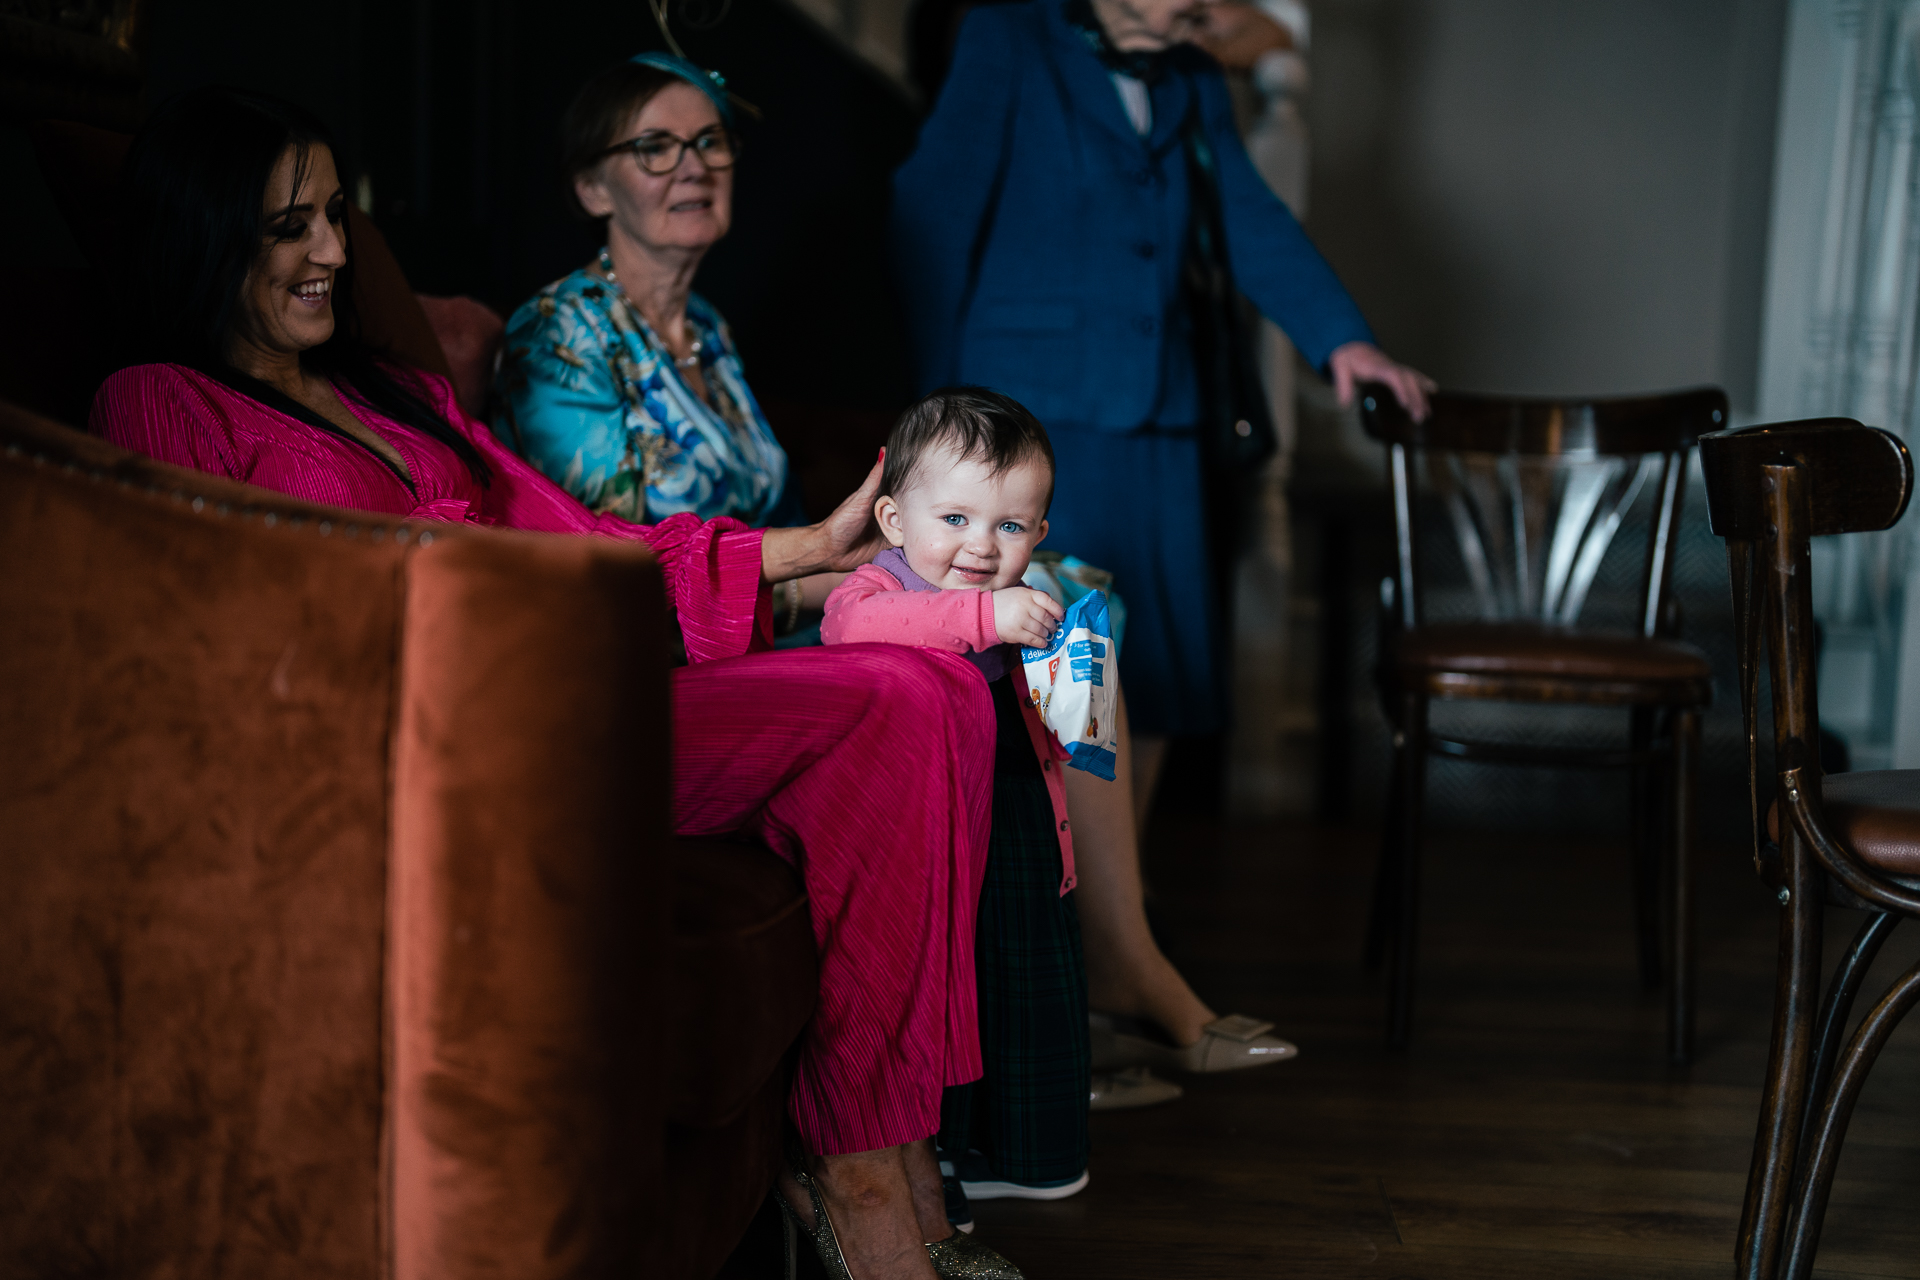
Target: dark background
(452,111)
(1546,196)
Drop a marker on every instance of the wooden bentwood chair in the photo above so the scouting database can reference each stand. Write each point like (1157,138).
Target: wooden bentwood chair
(1535,491)
(1852,840)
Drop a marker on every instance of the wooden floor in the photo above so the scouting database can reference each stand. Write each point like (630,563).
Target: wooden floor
(1532,1130)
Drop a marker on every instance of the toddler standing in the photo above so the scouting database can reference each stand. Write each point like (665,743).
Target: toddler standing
(964,497)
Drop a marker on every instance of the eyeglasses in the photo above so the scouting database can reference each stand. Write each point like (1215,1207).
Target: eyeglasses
(659,152)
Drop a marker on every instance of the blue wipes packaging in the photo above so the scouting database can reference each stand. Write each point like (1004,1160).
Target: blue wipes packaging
(1075,685)
(1067,578)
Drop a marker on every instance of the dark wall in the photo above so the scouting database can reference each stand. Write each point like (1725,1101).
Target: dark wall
(451,112)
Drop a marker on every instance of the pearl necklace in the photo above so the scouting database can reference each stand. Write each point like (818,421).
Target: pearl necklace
(688,361)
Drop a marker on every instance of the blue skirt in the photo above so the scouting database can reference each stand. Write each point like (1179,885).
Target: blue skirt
(1133,503)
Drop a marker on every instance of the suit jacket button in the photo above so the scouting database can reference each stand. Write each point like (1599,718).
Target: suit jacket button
(1145,325)
(1145,248)
(1143,176)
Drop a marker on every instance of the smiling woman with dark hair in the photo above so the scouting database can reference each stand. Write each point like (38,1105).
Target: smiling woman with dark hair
(205,297)
(241,281)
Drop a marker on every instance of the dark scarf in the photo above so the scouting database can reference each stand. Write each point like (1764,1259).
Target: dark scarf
(1144,67)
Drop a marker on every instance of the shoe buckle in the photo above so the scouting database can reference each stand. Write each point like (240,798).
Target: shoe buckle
(1238,1026)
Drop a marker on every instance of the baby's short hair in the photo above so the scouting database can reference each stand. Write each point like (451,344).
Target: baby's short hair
(979,423)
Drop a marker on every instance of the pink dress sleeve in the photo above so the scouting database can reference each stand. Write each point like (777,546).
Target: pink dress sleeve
(711,567)
(151,409)
(870,607)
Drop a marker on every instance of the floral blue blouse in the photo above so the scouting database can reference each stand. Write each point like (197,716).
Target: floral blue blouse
(591,397)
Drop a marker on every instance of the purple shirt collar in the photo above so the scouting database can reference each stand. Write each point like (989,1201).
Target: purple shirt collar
(993,662)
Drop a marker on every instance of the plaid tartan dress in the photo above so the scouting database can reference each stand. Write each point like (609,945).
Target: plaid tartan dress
(1028,1114)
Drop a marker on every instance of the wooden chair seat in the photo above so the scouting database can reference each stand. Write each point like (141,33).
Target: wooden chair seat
(1878,815)
(1634,668)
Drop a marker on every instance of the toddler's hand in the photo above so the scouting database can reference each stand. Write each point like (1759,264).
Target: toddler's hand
(1024,616)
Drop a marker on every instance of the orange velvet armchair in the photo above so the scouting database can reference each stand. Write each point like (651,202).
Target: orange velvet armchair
(341,929)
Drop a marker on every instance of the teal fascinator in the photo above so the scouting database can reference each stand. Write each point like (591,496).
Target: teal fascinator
(711,83)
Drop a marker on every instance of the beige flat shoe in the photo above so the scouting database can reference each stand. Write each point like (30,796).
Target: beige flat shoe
(1227,1044)
(1130,1088)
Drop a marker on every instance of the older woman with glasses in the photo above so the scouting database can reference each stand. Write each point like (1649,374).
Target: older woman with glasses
(618,381)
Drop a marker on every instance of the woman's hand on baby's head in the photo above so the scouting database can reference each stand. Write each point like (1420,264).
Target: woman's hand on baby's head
(850,535)
(1022,615)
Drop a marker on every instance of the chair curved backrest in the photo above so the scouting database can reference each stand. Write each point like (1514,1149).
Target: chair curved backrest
(1535,490)
(1857,478)
(1770,489)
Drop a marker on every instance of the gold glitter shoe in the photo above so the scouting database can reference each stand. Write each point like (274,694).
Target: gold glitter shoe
(964,1257)
(825,1243)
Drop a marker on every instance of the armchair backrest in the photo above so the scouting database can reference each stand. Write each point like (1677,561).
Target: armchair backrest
(1535,490)
(330,849)
(1770,489)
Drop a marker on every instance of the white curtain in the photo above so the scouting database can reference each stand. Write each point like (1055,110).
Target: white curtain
(1841,338)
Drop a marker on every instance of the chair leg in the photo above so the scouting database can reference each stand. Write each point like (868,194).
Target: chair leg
(1769,1178)
(1836,1109)
(1838,1006)
(1412,744)
(1646,843)
(1382,920)
(1686,756)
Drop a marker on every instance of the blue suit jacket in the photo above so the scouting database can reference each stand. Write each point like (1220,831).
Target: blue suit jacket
(1038,239)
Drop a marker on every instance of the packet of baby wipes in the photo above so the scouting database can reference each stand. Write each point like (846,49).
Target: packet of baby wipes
(1066,578)
(1075,686)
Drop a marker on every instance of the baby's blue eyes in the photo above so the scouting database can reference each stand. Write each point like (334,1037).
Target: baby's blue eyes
(956,520)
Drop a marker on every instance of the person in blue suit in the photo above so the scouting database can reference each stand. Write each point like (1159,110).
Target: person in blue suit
(1040,232)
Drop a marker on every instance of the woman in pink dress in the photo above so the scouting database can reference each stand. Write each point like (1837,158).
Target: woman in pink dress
(868,767)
